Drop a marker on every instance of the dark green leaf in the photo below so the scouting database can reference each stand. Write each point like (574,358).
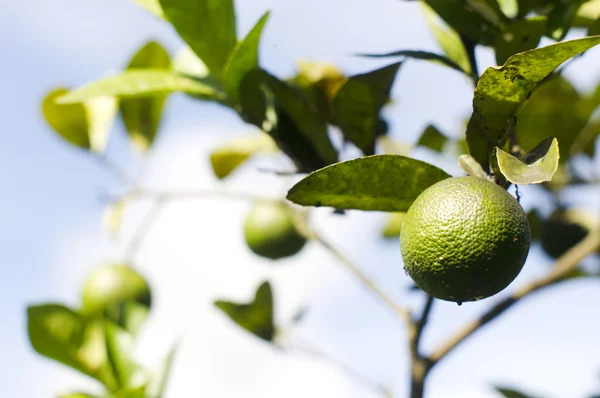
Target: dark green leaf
(510,393)
(257,316)
(423,55)
(207,26)
(519,36)
(501,91)
(561,17)
(138,392)
(68,120)
(554,109)
(538,166)
(379,182)
(304,116)
(231,155)
(243,59)
(357,104)
(119,350)
(432,138)
(152,6)
(594,28)
(142,83)
(160,376)
(142,115)
(132,316)
(63,335)
(393,227)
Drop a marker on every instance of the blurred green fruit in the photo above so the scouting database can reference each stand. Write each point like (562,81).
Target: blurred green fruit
(110,286)
(561,231)
(270,231)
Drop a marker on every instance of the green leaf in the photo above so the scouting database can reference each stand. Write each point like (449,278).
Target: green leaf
(78,395)
(535,224)
(303,115)
(119,350)
(141,116)
(243,59)
(502,90)
(186,62)
(101,113)
(510,393)
(510,8)
(478,24)
(256,316)
(152,6)
(471,167)
(207,26)
(519,36)
(358,102)
(530,171)
(561,18)
(138,83)
(137,392)
(594,28)
(393,226)
(63,335)
(228,157)
(448,40)
(585,141)
(69,121)
(160,375)
(432,138)
(379,182)
(422,55)
(556,109)
(132,316)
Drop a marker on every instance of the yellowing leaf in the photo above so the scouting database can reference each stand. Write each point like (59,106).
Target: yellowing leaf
(522,173)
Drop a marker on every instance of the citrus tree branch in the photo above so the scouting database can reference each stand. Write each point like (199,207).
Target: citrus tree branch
(561,270)
(367,282)
(419,364)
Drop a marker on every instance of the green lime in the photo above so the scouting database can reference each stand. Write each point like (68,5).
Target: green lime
(270,231)
(464,239)
(112,285)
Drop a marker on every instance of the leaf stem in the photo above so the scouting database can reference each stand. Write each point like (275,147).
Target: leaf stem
(470,48)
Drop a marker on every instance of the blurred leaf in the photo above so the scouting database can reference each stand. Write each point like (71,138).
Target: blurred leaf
(510,393)
(379,182)
(358,102)
(257,316)
(101,113)
(470,166)
(594,28)
(535,224)
(422,55)
(510,8)
(63,335)
(564,229)
(243,59)
(208,27)
(160,376)
(142,115)
(478,22)
(132,316)
(553,109)
(392,147)
(152,6)
(525,172)
(186,62)
(501,91)
(231,155)
(142,83)
(137,392)
(585,142)
(448,40)
(78,395)
(561,17)
(113,217)
(393,226)
(304,116)
(69,121)
(119,350)
(432,138)
(519,36)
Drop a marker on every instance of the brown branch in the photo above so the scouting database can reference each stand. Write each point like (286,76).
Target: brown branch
(561,270)
(420,365)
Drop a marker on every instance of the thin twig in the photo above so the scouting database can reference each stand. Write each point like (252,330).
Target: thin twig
(189,195)
(351,372)
(367,282)
(136,241)
(560,271)
(422,321)
(114,169)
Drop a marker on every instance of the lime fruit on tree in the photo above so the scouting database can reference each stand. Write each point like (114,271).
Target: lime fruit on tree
(561,231)
(464,239)
(270,231)
(109,286)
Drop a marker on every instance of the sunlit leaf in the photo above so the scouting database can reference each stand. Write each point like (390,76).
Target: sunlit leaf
(119,350)
(78,395)
(230,156)
(432,138)
(186,62)
(527,172)
(243,59)
(390,146)
(379,182)
(142,115)
(208,27)
(69,121)
(501,91)
(358,103)
(257,316)
(152,6)
(519,36)
(101,113)
(142,83)
(137,392)
(393,226)
(470,166)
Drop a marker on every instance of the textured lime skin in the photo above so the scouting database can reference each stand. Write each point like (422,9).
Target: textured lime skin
(464,239)
(270,231)
(111,285)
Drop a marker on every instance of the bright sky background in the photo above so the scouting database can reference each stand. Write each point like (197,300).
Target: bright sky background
(53,236)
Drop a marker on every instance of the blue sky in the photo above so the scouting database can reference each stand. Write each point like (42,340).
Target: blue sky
(53,234)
